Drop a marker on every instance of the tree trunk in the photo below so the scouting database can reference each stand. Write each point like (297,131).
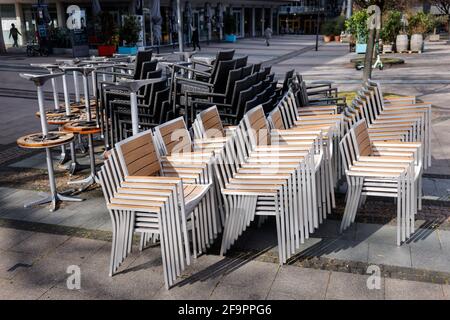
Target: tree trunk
(2,41)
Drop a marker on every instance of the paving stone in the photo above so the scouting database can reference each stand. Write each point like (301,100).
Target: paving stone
(13,262)
(425,238)
(44,272)
(56,293)
(446,289)
(299,283)
(444,238)
(40,243)
(412,290)
(349,286)
(348,250)
(376,233)
(76,250)
(434,260)
(10,237)
(12,290)
(381,253)
(257,277)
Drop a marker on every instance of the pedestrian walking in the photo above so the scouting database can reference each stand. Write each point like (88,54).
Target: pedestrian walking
(268,35)
(14,33)
(195,38)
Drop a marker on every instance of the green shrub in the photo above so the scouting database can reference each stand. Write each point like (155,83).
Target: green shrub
(357,26)
(420,23)
(328,28)
(392,24)
(130,31)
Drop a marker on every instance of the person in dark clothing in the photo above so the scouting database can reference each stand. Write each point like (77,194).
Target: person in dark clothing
(195,38)
(14,33)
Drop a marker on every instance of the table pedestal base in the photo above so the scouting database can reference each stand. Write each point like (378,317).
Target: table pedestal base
(53,199)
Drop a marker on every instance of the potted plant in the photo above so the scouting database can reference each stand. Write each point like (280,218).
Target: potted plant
(419,24)
(392,24)
(357,27)
(339,26)
(129,35)
(437,22)
(229,27)
(327,29)
(107,35)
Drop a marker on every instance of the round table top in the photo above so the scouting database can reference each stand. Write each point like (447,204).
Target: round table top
(82,127)
(37,141)
(60,120)
(57,113)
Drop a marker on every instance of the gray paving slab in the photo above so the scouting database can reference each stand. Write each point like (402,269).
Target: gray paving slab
(40,243)
(435,260)
(10,237)
(257,277)
(376,233)
(299,283)
(76,250)
(349,286)
(57,293)
(198,280)
(425,238)
(444,238)
(412,290)
(13,290)
(392,255)
(13,262)
(348,250)
(446,290)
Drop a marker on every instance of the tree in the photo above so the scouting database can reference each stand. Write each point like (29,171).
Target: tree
(444,7)
(383,4)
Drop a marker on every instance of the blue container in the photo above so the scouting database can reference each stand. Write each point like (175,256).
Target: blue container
(128,50)
(230,38)
(361,48)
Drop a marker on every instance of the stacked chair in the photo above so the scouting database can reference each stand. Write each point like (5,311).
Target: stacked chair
(394,170)
(257,148)
(141,200)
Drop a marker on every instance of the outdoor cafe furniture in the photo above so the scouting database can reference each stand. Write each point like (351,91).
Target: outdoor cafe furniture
(46,140)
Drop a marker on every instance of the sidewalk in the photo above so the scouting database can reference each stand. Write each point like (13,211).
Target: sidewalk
(34,266)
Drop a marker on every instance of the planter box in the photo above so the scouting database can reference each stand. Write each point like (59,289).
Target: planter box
(361,48)
(230,38)
(128,50)
(106,50)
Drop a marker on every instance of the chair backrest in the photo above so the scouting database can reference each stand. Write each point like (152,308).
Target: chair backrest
(362,139)
(210,122)
(241,62)
(161,97)
(347,150)
(247,70)
(138,155)
(275,119)
(256,67)
(287,79)
(154,74)
(221,56)
(141,57)
(173,137)
(257,129)
(147,67)
(261,75)
(244,97)
(233,76)
(221,78)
